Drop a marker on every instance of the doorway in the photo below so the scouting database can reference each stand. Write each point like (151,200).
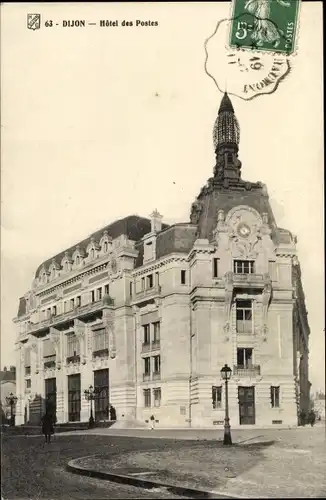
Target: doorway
(246,396)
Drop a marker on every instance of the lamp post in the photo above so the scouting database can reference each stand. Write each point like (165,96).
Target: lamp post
(90,396)
(226,375)
(11,400)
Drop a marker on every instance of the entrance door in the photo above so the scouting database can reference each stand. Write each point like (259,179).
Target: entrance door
(246,397)
(74,398)
(101,403)
(51,395)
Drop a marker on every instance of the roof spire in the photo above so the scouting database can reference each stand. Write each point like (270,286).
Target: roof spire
(226,136)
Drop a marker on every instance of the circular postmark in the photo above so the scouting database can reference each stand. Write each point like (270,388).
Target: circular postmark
(242,72)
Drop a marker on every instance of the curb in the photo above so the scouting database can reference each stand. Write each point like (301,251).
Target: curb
(73,467)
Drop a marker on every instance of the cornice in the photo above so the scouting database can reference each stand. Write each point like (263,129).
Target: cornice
(152,266)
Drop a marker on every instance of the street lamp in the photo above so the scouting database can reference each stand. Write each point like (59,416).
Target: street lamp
(90,395)
(11,400)
(226,375)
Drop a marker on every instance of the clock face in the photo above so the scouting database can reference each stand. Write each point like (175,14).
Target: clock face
(243,230)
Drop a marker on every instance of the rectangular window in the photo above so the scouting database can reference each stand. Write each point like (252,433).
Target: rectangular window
(101,386)
(28,383)
(54,311)
(156,364)
(147,366)
(156,335)
(99,294)
(106,289)
(243,266)
(157,278)
(215,268)
(157,396)
(74,398)
(217,397)
(93,295)
(65,306)
(27,370)
(143,284)
(100,340)
(275,397)
(72,303)
(130,289)
(150,281)
(48,313)
(244,316)
(147,398)
(244,357)
(78,301)
(147,337)
(72,345)
(183,277)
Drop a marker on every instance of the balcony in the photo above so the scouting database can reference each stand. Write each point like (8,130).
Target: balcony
(49,362)
(146,346)
(146,296)
(73,359)
(249,280)
(246,371)
(244,327)
(101,353)
(87,310)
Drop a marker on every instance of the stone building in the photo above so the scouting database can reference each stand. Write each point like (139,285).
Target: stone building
(148,314)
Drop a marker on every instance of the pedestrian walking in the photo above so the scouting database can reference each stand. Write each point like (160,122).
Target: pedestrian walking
(48,426)
(113,413)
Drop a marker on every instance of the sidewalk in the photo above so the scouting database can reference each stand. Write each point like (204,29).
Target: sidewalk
(287,466)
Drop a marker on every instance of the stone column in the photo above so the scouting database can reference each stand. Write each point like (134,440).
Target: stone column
(56,339)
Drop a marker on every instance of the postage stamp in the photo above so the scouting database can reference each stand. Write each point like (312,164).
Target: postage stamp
(265,25)
(244,73)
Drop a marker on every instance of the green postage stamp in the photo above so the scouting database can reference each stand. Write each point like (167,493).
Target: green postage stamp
(265,25)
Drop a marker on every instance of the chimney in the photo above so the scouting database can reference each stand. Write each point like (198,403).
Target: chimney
(156,221)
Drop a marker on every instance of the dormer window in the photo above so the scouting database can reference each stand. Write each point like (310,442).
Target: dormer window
(77,260)
(66,266)
(92,253)
(105,246)
(44,277)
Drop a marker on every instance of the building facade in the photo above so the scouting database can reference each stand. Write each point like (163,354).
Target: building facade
(148,314)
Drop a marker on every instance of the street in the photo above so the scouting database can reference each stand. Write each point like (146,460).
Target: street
(32,469)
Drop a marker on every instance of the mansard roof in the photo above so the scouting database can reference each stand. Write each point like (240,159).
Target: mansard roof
(133,226)
(178,238)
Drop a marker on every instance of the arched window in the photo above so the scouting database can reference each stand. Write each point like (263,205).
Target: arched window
(92,253)
(105,246)
(53,272)
(77,260)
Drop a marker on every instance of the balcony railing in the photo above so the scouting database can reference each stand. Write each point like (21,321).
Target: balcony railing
(156,375)
(73,359)
(156,344)
(101,353)
(244,326)
(246,371)
(146,346)
(146,377)
(147,295)
(76,312)
(49,362)
(251,280)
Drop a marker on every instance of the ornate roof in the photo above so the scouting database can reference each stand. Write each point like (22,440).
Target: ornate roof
(226,104)
(133,226)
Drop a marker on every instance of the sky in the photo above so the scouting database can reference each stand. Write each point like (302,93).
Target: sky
(99,123)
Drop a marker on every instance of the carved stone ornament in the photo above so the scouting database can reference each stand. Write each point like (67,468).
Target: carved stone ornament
(244,228)
(196,210)
(228,296)
(80,332)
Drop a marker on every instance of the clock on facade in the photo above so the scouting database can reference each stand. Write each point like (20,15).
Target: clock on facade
(243,230)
